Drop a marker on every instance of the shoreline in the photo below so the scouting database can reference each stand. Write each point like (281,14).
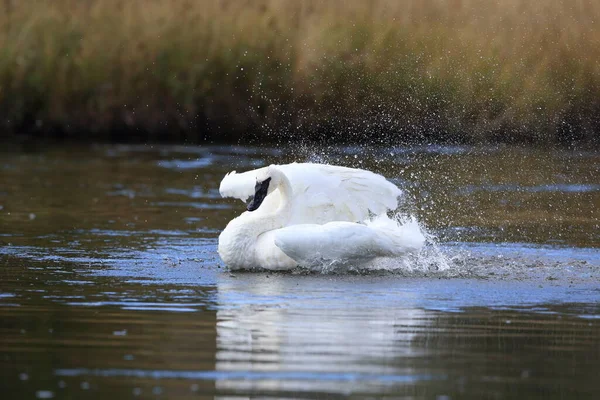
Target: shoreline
(48,139)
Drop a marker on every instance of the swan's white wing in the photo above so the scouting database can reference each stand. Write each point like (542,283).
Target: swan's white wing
(347,242)
(335,242)
(321,193)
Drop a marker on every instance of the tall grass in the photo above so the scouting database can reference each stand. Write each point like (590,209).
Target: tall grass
(473,70)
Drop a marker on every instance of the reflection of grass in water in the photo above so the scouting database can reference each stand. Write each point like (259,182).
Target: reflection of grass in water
(477,69)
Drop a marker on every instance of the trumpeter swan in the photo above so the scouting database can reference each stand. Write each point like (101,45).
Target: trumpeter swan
(308,214)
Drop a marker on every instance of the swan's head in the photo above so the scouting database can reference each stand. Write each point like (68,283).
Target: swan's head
(266,182)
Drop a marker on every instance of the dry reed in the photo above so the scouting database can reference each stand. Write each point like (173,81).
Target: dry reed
(472,70)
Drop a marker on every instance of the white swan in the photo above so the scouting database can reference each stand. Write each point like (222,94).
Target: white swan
(307,214)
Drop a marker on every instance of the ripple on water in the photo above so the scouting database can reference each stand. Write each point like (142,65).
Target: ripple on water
(195,192)
(196,163)
(196,205)
(557,187)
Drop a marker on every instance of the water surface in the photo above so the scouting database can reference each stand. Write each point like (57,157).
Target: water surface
(111,285)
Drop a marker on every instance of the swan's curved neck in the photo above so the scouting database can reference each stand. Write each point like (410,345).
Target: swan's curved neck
(267,221)
(238,239)
(251,224)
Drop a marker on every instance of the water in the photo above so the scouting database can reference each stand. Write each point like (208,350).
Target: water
(111,285)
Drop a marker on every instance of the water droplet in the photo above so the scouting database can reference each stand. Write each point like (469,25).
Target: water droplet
(44,394)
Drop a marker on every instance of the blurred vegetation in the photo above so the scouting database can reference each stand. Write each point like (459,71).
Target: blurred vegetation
(416,70)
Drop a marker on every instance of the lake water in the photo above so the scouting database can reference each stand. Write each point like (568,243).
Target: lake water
(111,286)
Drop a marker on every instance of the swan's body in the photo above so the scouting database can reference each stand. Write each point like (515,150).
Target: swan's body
(308,214)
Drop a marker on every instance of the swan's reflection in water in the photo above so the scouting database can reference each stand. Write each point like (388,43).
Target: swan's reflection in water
(282,338)
(317,336)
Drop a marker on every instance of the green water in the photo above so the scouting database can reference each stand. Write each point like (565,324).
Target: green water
(111,285)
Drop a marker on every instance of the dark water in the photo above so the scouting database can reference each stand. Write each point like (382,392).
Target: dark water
(111,286)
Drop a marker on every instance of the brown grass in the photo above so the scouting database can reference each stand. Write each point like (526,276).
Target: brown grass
(419,70)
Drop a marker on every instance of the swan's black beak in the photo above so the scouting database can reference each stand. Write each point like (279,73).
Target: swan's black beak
(260,192)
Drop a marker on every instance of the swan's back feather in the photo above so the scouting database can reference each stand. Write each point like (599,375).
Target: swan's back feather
(324,193)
